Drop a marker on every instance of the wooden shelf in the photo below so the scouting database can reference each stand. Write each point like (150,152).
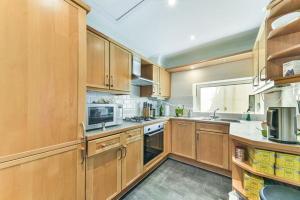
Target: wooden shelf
(290,52)
(290,28)
(287,80)
(248,168)
(284,7)
(239,188)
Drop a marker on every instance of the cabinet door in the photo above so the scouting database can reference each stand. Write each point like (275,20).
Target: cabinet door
(212,149)
(262,52)
(183,139)
(156,74)
(97,61)
(132,163)
(43,74)
(256,64)
(165,83)
(50,176)
(120,68)
(167,137)
(103,171)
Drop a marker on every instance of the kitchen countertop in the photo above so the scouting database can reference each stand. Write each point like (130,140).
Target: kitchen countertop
(99,133)
(245,131)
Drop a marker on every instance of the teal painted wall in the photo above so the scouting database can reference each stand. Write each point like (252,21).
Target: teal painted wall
(223,47)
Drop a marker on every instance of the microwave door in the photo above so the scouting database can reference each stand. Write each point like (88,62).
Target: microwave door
(98,115)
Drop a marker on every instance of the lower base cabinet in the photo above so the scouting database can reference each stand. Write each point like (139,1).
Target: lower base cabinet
(212,148)
(132,164)
(113,163)
(183,139)
(54,175)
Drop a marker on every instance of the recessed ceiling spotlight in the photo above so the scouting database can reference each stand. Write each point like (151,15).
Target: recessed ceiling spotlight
(192,37)
(172,2)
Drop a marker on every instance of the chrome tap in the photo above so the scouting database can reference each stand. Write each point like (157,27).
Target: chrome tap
(214,114)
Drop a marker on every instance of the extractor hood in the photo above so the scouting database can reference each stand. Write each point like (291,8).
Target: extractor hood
(137,79)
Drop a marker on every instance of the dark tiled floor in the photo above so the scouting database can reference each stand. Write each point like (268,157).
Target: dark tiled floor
(177,181)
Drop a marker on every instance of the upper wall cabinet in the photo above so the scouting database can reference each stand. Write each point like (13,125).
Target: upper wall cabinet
(42,79)
(120,68)
(259,57)
(97,61)
(108,65)
(165,83)
(161,82)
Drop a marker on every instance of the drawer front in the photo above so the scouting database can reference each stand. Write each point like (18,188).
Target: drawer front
(133,133)
(214,127)
(103,144)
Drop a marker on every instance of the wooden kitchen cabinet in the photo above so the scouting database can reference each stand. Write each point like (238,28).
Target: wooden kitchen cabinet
(97,61)
(256,64)
(161,83)
(43,76)
(183,138)
(120,68)
(113,163)
(132,162)
(104,168)
(165,83)
(54,175)
(167,137)
(212,148)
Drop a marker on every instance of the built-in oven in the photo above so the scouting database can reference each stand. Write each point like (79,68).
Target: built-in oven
(153,141)
(99,115)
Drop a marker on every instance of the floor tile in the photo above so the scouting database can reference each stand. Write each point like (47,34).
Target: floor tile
(177,181)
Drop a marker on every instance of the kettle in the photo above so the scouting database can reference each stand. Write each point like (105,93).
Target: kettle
(282,124)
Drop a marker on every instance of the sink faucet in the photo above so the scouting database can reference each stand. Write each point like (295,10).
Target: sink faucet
(214,114)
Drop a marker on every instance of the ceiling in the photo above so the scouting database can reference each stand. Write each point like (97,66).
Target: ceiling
(155,29)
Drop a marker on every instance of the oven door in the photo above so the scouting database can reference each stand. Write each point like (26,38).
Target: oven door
(153,145)
(98,114)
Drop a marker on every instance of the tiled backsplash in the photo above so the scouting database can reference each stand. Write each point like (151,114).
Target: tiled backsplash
(132,104)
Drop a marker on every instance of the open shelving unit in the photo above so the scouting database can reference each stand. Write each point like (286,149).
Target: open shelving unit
(290,28)
(245,166)
(283,44)
(239,167)
(283,7)
(289,52)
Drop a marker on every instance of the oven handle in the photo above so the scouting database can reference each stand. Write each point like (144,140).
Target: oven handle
(155,133)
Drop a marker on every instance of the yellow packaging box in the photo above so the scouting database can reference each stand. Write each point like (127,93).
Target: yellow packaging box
(288,161)
(252,183)
(287,173)
(263,167)
(252,195)
(262,156)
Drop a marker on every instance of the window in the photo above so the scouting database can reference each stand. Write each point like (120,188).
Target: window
(230,96)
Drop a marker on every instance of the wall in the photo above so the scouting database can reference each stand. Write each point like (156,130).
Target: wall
(223,47)
(182,82)
(132,104)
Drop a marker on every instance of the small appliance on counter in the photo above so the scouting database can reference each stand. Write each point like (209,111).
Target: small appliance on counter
(282,124)
(103,115)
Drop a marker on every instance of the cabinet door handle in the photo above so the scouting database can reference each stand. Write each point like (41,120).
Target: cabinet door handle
(111,81)
(125,152)
(83,129)
(120,152)
(107,80)
(260,74)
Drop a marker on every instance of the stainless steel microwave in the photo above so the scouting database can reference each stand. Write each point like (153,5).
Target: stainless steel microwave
(98,114)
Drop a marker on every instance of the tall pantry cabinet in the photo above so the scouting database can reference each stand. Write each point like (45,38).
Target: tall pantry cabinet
(42,98)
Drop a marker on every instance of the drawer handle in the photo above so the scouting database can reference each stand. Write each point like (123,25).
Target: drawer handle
(105,145)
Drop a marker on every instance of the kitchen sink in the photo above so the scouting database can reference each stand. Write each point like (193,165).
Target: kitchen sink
(228,120)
